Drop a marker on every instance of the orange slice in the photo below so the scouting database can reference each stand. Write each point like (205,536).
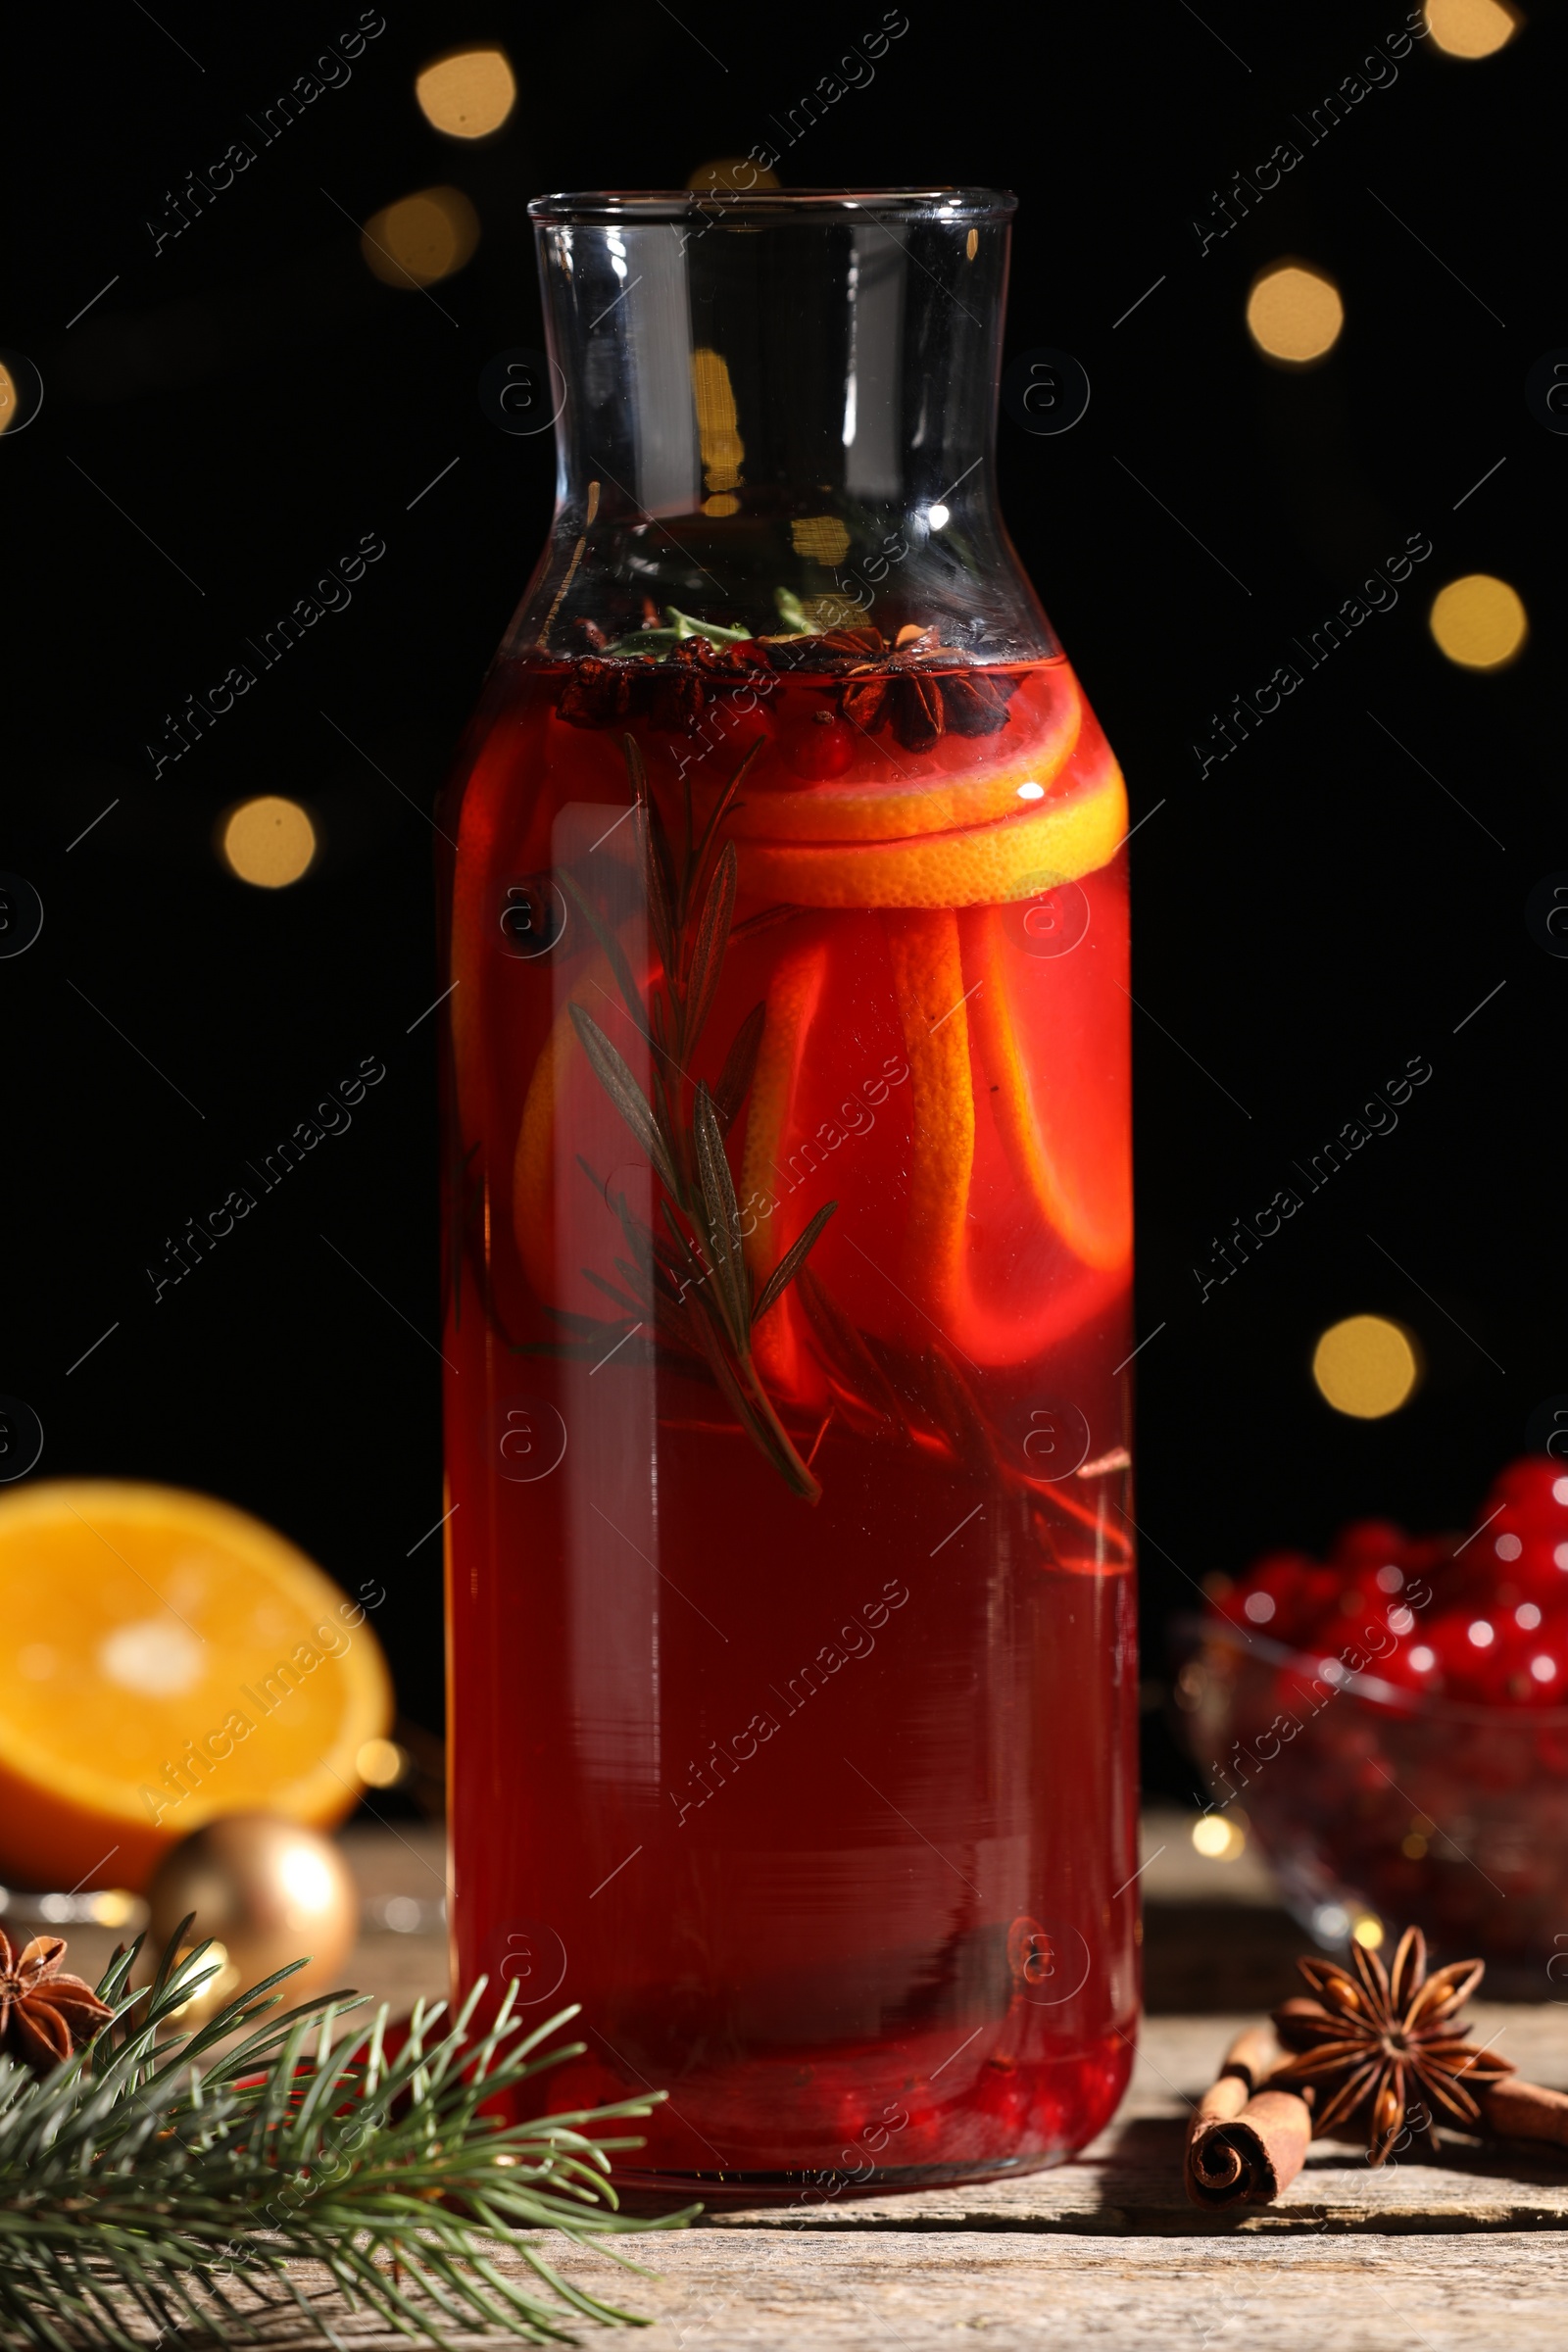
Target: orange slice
(929,977)
(167,1659)
(910,802)
(1076,827)
(771,1223)
(1051,1037)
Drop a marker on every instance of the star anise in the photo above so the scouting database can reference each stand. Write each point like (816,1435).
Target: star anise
(922,689)
(1375,2040)
(44,2015)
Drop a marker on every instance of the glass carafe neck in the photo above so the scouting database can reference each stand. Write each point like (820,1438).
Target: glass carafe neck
(777,413)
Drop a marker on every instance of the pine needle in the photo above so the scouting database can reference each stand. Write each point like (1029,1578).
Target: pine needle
(164,2181)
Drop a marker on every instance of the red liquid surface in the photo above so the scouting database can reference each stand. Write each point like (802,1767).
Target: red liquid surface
(825,1812)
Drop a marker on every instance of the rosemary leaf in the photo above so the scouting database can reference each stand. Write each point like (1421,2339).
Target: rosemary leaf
(627,1095)
(713,938)
(725,806)
(843,1346)
(629,1307)
(740,1066)
(789,1264)
(615,953)
(723,1218)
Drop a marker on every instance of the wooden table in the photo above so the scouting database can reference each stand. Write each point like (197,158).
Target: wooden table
(1470,2253)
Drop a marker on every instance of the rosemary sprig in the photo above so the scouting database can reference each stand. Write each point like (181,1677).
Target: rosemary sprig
(691,1284)
(161,2177)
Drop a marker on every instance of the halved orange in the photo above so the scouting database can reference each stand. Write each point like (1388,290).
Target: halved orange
(167,1659)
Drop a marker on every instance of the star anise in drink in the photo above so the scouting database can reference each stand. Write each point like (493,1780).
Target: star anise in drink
(44,2015)
(922,689)
(1380,2045)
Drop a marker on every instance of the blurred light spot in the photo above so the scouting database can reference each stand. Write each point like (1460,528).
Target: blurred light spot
(468,95)
(10,401)
(306,1877)
(1507,1548)
(1528,1615)
(1422,1658)
(1543,1669)
(1481,1633)
(1331,1923)
(821,537)
(736,172)
(1260,1606)
(1368,1931)
(421,239)
(1365,1366)
(938,517)
(150,1657)
(1293,314)
(1478,622)
(1390,1580)
(1470,27)
(269,842)
(1560,1555)
(403,1914)
(115,1906)
(1559,1490)
(1401,1620)
(718,423)
(380,1763)
(1413,1846)
(1218,1839)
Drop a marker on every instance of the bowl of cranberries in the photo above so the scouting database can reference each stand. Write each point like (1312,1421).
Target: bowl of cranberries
(1394,1721)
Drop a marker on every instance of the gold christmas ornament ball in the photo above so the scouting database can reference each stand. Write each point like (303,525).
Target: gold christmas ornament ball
(268,1891)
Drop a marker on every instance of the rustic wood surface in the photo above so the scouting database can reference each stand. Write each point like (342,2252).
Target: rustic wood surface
(1469,2252)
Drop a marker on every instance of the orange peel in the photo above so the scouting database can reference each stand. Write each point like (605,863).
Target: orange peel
(1086,1196)
(1075,828)
(900,808)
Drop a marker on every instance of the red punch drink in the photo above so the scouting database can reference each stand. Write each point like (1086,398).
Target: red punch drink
(789,1216)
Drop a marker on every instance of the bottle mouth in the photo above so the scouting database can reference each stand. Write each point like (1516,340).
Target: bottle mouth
(772,205)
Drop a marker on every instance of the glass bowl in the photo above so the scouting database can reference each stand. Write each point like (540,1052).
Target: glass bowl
(1368,1798)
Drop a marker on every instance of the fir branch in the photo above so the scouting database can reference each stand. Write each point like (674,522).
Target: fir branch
(166,2180)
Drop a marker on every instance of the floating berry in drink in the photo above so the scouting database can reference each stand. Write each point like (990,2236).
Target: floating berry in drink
(815,746)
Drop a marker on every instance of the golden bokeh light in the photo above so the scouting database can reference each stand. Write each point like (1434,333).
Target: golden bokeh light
(10,402)
(1478,622)
(718,431)
(1365,1366)
(1294,313)
(381,1763)
(821,538)
(269,841)
(735,172)
(468,95)
(1218,1839)
(421,238)
(1470,27)
(1367,1931)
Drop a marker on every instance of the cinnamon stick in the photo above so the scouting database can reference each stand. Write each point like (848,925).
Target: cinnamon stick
(1516,2110)
(1246,2143)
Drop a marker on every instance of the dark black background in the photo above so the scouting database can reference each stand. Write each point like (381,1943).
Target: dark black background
(1309,916)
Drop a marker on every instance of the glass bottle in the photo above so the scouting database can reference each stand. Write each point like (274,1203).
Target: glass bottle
(789,1232)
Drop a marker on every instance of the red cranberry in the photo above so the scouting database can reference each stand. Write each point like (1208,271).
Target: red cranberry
(816,747)
(1535,1489)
